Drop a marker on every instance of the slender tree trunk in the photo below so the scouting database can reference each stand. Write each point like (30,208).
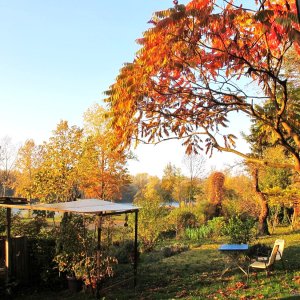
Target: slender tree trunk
(218,210)
(264,213)
(264,207)
(102,176)
(295,219)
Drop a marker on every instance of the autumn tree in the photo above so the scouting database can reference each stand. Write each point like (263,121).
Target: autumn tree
(204,62)
(8,156)
(103,164)
(264,146)
(27,165)
(151,214)
(181,189)
(240,197)
(216,192)
(168,181)
(277,184)
(269,182)
(141,180)
(291,66)
(195,164)
(136,184)
(57,179)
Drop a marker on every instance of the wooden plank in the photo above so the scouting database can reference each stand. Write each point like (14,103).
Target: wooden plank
(11,200)
(19,252)
(16,259)
(7,260)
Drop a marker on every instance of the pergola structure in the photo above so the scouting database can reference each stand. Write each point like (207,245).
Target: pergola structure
(100,208)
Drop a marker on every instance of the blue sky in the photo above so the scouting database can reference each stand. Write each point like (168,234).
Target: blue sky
(58,57)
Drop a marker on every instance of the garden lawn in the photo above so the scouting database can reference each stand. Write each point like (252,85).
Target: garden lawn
(195,274)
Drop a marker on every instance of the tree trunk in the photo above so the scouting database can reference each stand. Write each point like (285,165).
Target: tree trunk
(264,207)
(218,210)
(295,219)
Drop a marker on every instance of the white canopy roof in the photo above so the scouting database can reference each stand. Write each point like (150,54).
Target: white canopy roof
(84,206)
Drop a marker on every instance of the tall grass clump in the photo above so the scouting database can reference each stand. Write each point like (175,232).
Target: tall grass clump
(213,228)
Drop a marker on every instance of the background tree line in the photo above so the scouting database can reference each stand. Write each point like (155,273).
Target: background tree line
(83,163)
(74,163)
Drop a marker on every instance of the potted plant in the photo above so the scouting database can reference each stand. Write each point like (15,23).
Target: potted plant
(70,249)
(69,265)
(76,257)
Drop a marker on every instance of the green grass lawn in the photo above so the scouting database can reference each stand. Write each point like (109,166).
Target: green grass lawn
(195,274)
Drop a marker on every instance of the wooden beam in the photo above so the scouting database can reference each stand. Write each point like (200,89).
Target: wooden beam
(135,247)
(98,262)
(8,244)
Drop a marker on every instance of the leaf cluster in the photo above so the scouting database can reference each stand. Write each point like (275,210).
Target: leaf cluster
(189,77)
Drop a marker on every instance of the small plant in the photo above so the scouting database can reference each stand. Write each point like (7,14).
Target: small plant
(90,273)
(123,251)
(240,230)
(212,228)
(216,226)
(69,264)
(197,234)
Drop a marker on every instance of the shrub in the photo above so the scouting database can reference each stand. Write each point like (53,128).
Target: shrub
(216,226)
(151,215)
(180,219)
(151,225)
(32,228)
(174,249)
(41,251)
(123,251)
(240,230)
(186,219)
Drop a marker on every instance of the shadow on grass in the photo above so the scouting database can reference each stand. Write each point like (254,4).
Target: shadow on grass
(173,276)
(195,274)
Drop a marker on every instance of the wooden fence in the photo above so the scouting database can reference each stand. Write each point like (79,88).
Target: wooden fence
(16,264)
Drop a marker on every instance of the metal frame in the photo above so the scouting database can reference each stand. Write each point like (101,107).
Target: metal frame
(99,234)
(21,203)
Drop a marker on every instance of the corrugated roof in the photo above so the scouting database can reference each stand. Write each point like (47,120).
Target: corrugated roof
(84,206)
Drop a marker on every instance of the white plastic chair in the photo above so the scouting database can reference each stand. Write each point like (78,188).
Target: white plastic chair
(279,254)
(265,263)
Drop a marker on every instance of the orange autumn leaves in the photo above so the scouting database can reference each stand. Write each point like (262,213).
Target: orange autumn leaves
(196,4)
(183,81)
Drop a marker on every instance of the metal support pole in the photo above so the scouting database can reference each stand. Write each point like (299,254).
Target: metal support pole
(98,256)
(8,244)
(135,248)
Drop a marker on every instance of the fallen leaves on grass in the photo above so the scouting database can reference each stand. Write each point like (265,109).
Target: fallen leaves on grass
(260,296)
(229,291)
(297,279)
(181,294)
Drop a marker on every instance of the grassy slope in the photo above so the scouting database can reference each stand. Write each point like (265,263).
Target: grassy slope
(195,274)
